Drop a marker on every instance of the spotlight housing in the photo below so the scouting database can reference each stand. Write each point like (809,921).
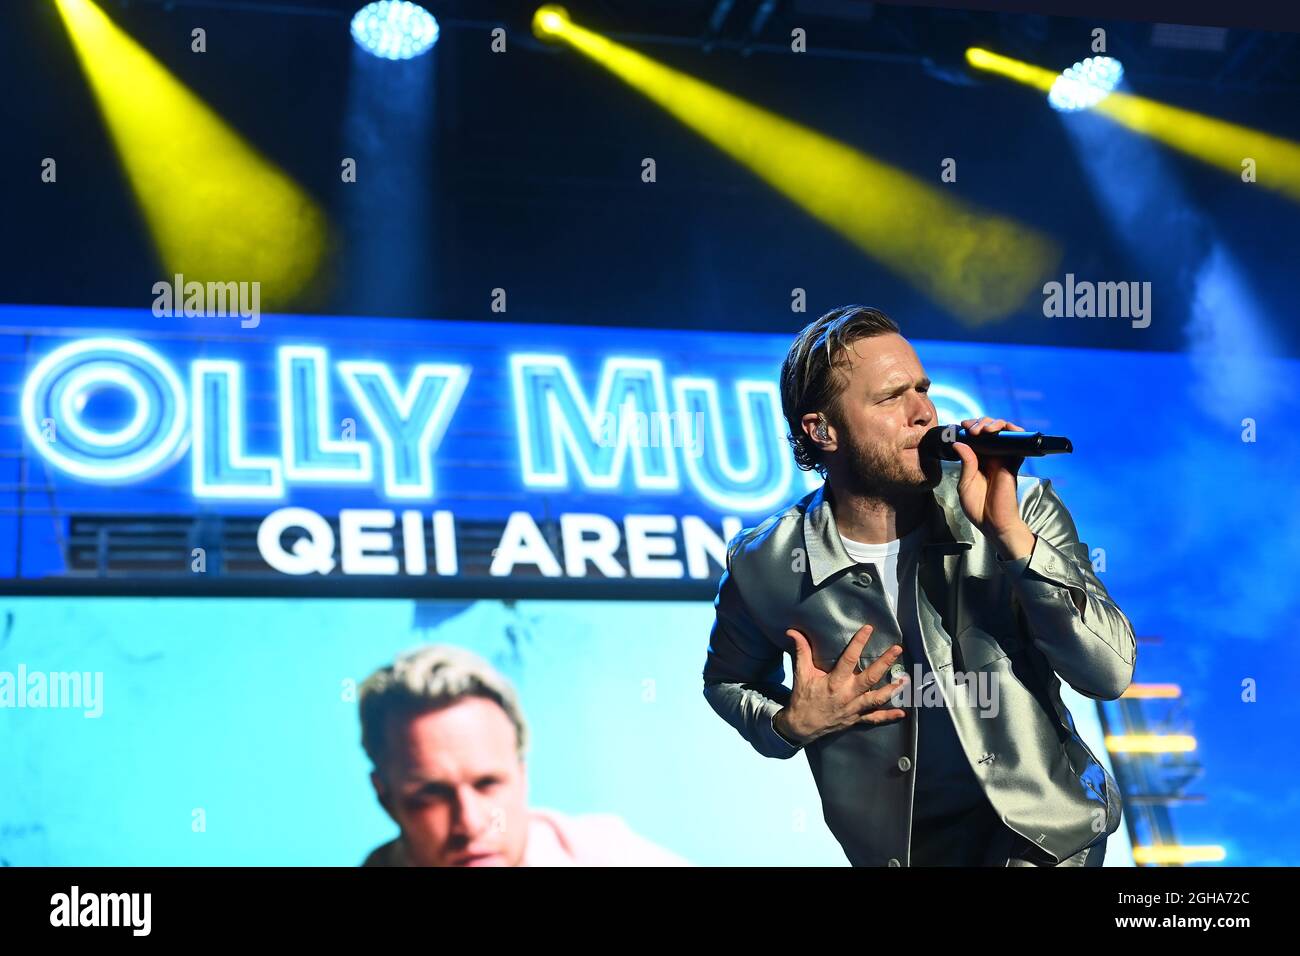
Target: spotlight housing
(548,20)
(1085,84)
(394,29)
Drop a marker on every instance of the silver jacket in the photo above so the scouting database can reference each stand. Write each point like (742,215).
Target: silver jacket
(1031,622)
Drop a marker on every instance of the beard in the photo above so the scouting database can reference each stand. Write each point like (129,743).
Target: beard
(889,472)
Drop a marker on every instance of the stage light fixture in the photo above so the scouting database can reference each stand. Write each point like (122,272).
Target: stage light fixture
(549,20)
(1085,84)
(1150,743)
(394,29)
(1231,147)
(1176,855)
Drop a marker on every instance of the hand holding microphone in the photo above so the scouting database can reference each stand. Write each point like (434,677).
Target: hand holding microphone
(989,463)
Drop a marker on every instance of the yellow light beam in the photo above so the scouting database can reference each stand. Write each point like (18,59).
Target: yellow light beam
(979,265)
(1017,70)
(1175,854)
(1214,141)
(215,208)
(1150,743)
(1152,691)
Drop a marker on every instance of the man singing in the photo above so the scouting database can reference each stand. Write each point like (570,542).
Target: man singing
(905,566)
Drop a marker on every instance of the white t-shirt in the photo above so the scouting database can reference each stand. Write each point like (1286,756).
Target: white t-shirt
(893,561)
(946,787)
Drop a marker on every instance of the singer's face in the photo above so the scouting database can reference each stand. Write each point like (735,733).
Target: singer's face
(883,412)
(455,785)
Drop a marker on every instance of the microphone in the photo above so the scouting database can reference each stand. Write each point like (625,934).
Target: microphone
(938,441)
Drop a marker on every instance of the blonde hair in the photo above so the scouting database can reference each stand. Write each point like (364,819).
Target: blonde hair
(431,678)
(812,375)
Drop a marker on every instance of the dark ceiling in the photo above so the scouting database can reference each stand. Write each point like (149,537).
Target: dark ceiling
(533,183)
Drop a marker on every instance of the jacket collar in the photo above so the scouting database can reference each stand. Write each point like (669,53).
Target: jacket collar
(948,530)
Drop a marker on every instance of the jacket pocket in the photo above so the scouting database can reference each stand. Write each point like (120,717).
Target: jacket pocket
(979,648)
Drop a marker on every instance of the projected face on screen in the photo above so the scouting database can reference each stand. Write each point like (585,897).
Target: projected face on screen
(453,781)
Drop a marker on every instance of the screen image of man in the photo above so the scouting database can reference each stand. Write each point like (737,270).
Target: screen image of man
(897,585)
(447,739)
